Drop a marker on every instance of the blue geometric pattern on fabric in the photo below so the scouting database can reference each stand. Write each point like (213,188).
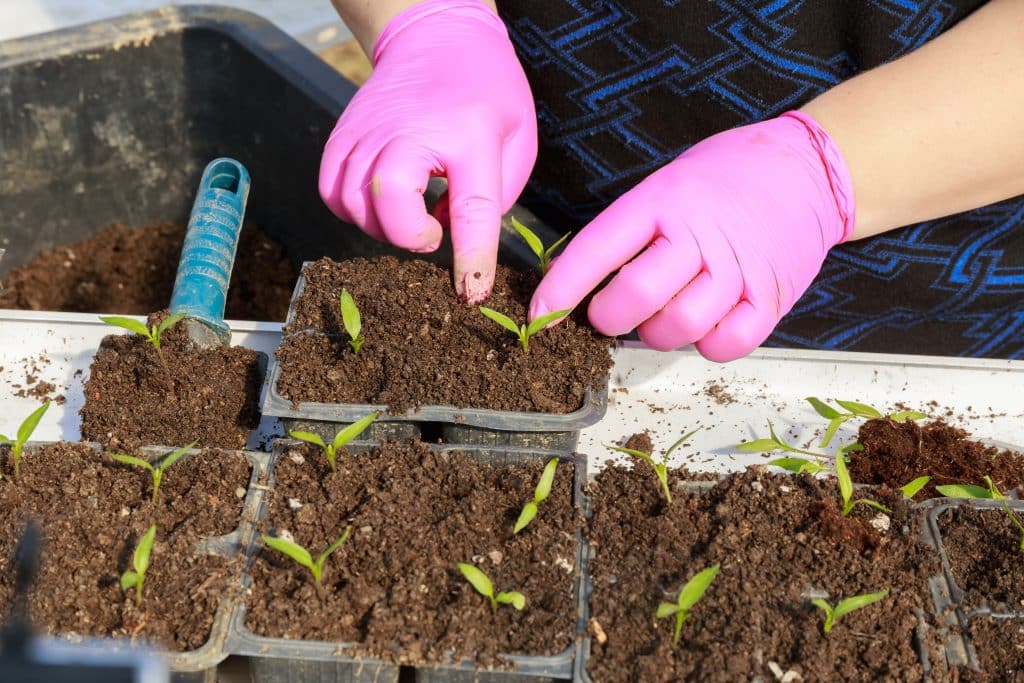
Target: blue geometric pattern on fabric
(623,87)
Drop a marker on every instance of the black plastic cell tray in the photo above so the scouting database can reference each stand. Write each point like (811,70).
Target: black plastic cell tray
(277,660)
(468,426)
(200,665)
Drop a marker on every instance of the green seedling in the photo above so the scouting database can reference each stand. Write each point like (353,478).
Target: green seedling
(992,492)
(846,490)
(24,433)
(537,247)
(158,471)
(140,563)
(832,614)
(660,468)
(525,331)
(340,439)
(911,488)
(540,494)
(855,410)
(777,443)
(152,334)
(689,595)
(351,320)
(302,556)
(484,587)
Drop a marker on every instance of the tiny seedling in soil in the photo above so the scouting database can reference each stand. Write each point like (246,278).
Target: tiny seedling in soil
(660,468)
(351,320)
(340,439)
(540,494)
(152,334)
(855,410)
(140,562)
(525,331)
(777,443)
(484,587)
(537,247)
(689,595)
(302,556)
(24,433)
(990,493)
(846,490)
(832,614)
(158,471)
(911,488)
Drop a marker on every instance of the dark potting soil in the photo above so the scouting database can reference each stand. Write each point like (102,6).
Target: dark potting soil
(985,557)
(999,644)
(131,271)
(895,453)
(131,399)
(777,538)
(394,588)
(92,513)
(424,347)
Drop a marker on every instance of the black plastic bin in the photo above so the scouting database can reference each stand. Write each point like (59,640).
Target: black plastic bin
(115,121)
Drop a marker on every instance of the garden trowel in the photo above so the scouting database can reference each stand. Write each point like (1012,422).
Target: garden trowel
(208,252)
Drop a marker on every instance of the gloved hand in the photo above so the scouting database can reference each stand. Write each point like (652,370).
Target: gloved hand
(447,97)
(729,235)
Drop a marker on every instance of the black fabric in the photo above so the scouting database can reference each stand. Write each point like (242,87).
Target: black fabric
(624,87)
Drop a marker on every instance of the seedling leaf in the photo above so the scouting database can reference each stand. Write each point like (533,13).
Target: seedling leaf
(696,587)
(501,319)
(353,430)
(679,442)
(798,465)
(143,550)
(904,415)
(846,606)
(830,431)
(176,456)
(128,580)
(478,580)
(666,609)
(911,488)
(759,446)
(531,239)
(547,478)
(351,320)
(31,422)
(132,460)
(308,437)
(322,558)
(516,599)
(845,485)
(859,409)
(539,323)
(823,409)
(963,491)
(525,517)
(853,447)
(129,324)
(168,322)
(292,550)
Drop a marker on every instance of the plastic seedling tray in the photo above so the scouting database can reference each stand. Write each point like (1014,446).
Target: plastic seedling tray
(473,426)
(277,660)
(200,665)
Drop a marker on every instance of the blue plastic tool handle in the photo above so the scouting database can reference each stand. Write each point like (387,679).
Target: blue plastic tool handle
(208,252)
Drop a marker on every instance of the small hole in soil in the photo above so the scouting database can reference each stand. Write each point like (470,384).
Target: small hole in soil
(224,176)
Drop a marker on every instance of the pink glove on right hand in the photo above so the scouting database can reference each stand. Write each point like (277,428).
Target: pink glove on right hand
(447,97)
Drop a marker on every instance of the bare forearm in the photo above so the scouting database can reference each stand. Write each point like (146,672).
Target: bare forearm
(938,131)
(367,18)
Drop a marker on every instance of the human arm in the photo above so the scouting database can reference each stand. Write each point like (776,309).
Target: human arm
(715,247)
(447,97)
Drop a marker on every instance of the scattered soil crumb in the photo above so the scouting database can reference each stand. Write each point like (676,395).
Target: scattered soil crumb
(718,392)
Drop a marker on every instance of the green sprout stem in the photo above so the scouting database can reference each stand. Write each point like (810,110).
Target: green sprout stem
(351,320)
(24,433)
(140,564)
(158,471)
(846,490)
(833,614)
(540,494)
(342,438)
(525,331)
(482,584)
(689,595)
(302,556)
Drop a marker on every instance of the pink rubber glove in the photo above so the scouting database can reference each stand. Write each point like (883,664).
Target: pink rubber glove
(447,97)
(729,235)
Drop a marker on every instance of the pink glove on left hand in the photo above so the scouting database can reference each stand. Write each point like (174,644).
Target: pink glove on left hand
(729,235)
